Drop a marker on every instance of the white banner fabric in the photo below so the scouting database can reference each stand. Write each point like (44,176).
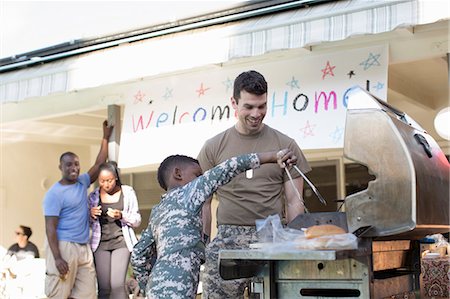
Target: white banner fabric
(306,100)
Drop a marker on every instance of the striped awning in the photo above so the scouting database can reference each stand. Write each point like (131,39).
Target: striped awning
(331,22)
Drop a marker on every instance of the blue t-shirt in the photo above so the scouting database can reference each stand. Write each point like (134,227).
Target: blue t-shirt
(70,204)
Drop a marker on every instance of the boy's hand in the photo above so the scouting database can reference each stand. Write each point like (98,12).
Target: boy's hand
(286,157)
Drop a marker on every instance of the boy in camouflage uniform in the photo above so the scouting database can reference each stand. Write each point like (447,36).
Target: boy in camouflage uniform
(175,224)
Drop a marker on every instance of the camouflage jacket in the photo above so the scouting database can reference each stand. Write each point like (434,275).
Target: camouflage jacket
(175,223)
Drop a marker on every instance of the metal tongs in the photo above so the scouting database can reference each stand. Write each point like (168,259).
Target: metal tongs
(309,183)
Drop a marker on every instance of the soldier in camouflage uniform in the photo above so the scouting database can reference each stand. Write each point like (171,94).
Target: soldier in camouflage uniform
(254,195)
(175,224)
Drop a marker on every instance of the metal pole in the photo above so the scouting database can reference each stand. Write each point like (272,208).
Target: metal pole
(114,140)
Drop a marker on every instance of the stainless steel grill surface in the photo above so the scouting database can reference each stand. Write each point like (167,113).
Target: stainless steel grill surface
(410,196)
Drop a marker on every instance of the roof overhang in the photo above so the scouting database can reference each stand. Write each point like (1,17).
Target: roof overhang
(89,82)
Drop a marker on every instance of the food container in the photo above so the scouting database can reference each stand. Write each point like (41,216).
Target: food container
(431,255)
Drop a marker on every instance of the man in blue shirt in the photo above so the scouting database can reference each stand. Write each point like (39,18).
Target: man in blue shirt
(70,271)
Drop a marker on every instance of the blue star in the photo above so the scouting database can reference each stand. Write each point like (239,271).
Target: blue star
(228,84)
(168,93)
(293,83)
(379,86)
(372,60)
(336,136)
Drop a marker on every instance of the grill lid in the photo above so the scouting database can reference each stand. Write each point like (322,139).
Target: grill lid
(410,196)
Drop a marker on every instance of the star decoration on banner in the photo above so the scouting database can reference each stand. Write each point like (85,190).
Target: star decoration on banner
(351,73)
(371,61)
(228,84)
(379,86)
(168,93)
(293,83)
(336,135)
(328,70)
(138,97)
(201,91)
(308,129)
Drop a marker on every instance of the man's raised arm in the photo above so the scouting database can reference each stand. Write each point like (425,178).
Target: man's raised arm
(103,153)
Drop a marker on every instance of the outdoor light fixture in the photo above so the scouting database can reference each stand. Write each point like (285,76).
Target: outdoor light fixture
(442,123)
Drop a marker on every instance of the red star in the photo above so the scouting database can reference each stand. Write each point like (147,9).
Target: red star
(328,70)
(201,90)
(308,129)
(138,97)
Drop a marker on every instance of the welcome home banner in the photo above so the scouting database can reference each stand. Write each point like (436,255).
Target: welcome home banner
(306,100)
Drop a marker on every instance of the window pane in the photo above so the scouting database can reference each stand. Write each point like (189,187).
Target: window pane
(357,178)
(147,189)
(324,178)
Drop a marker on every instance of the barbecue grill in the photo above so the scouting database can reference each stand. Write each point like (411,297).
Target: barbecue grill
(408,200)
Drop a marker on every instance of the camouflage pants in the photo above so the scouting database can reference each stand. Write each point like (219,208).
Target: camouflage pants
(228,237)
(175,276)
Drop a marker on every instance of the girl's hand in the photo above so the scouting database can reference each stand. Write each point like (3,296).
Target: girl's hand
(95,212)
(114,213)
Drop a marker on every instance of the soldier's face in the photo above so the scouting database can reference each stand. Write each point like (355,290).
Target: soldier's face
(251,110)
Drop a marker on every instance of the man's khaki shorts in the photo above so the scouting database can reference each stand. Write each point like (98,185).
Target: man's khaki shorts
(80,282)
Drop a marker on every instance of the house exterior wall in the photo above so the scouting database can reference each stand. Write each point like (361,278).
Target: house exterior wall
(28,170)
(94,80)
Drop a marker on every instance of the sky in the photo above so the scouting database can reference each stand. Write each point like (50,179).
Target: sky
(31,25)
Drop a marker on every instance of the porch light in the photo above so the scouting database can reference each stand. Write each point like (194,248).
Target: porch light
(442,123)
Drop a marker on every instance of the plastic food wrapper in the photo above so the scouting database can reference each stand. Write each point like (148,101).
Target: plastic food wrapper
(441,245)
(273,236)
(439,240)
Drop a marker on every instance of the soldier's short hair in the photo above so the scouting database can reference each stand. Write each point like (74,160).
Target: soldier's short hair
(250,81)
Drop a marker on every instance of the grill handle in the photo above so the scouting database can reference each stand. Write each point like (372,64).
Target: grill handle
(426,146)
